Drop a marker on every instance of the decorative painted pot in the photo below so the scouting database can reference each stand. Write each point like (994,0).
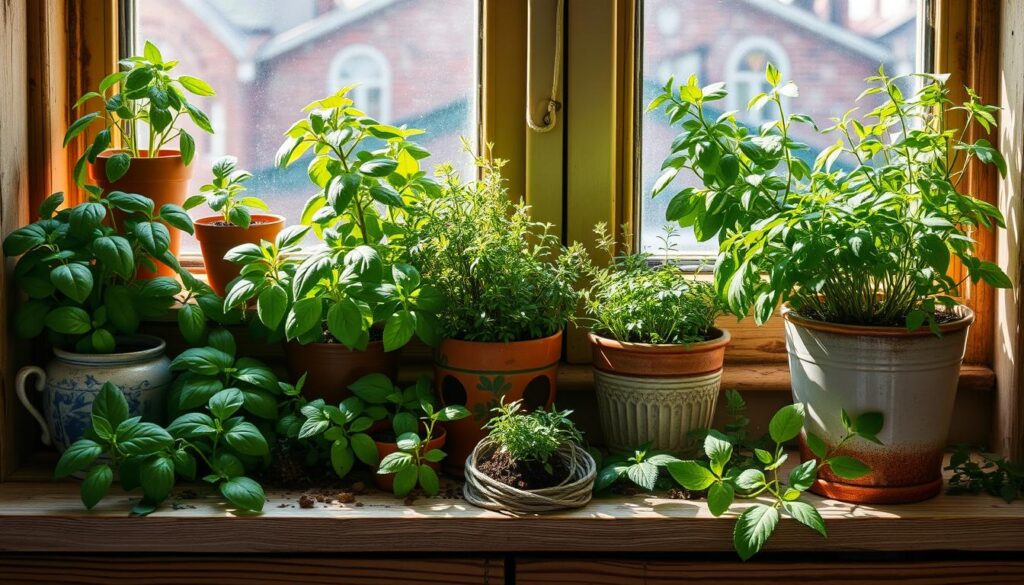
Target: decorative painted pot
(479,374)
(656,393)
(164,179)
(72,381)
(215,240)
(331,367)
(908,376)
(387,482)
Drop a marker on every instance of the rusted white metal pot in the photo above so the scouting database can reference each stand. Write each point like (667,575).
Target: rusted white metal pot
(909,376)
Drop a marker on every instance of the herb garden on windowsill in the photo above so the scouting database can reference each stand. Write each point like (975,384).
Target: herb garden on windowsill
(854,253)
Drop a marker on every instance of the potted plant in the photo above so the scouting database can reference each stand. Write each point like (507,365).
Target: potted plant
(77,270)
(657,355)
(347,307)
(212,438)
(507,288)
(857,246)
(140,111)
(412,440)
(234,225)
(530,462)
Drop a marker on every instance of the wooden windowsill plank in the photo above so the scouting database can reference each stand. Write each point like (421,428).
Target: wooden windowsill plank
(48,516)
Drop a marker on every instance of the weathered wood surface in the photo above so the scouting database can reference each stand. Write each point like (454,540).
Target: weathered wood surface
(48,516)
(654,572)
(246,570)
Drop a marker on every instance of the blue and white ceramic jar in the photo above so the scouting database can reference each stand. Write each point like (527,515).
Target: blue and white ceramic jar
(71,382)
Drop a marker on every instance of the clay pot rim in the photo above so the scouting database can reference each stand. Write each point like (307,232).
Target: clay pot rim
(339,346)
(209,221)
(156,349)
(163,153)
(523,343)
(721,340)
(790,315)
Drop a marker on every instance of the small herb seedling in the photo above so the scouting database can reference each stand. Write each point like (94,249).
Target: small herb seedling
(224,194)
(344,428)
(642,468)
(532,436)
(724,480)
(411,463)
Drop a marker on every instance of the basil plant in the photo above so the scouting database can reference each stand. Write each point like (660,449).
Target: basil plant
(366,174)
(863,233)
(142,104)
(78,267)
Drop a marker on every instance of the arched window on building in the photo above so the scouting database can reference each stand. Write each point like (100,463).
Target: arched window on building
(744,75)
(369,68)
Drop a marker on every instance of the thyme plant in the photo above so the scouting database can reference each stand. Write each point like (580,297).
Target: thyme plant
(863,235)
(631,300)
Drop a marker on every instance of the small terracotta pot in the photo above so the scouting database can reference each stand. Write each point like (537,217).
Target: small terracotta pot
(387,482)
(164,179)
(215,241)
(656,393)
(908,376)
(478,374)
(331,367)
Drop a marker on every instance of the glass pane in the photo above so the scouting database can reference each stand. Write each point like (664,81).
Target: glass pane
(415,61)
(827,47)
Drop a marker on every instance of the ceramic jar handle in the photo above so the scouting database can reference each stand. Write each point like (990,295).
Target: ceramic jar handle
(19,385)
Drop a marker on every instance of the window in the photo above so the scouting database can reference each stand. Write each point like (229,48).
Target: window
(368,68)
(416,63)
(745,75)
(827,47)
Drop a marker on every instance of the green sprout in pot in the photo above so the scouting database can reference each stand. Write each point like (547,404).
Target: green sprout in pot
(502,276)
(414,462)
(366,174)
(224,194)
(727,474)
(78,269)
(638,300)
(141,105)
(864,234)
(402,406)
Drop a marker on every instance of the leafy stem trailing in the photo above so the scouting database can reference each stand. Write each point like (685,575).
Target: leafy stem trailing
(726,477)
(866,233)
(145,93)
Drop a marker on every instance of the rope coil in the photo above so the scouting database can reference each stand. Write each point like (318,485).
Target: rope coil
(575,490)
(550,119)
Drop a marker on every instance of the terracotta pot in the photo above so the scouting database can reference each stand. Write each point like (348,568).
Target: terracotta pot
(910,377)
(387,482)
(331,367)
(478,374)
(656,393)
(164,179)
(215,241)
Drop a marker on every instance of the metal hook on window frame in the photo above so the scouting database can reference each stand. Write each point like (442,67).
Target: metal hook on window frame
(550,119)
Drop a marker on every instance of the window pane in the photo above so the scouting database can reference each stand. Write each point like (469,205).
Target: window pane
(827,47)
(267,59)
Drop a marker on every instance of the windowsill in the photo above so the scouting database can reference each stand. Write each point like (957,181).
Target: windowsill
(39,515)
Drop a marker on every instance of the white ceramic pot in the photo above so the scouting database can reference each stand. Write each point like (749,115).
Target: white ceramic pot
(657,394)
(71,381)
(910,377)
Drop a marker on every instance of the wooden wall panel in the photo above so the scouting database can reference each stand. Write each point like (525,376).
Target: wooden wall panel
(654,572)
(1008,430)
(240,570)
(13,206)
(48,93)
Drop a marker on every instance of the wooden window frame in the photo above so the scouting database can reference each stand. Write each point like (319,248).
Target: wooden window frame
(579,174)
